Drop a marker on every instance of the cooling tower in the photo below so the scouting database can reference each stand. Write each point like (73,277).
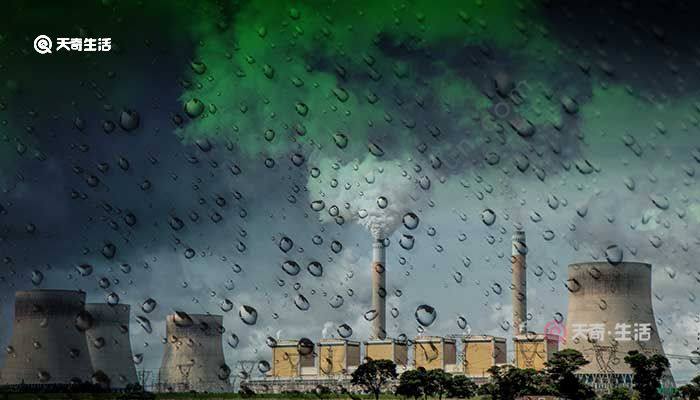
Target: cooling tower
(379,289)
(48,345)
(109,344)
(610,313)
(519,283)
(194,355)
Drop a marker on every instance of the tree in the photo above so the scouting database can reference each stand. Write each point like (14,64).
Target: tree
(461,387)
(412,383)
(691,391)
(437,383)
(373,375)
(510,382)
(618,393)
(561,369)
(647,374)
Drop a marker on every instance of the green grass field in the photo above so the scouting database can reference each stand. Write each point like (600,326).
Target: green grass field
(189,396)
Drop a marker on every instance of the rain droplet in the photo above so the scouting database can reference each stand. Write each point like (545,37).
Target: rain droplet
(614,254)
(425,315)
(286,244)
(301,302)
(488,217)
(248,315)
(410,220)
(315,268)
(344,330)
(291,267)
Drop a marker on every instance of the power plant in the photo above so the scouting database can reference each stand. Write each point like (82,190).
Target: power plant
(610,313)
(48,343)
(59,340)
(194,355)
(109,343)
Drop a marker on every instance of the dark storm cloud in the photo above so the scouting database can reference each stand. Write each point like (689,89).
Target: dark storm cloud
(167,178)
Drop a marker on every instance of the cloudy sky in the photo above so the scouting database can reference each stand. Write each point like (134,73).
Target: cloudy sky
(176,163)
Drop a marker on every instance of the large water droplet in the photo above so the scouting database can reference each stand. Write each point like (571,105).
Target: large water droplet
(425,315)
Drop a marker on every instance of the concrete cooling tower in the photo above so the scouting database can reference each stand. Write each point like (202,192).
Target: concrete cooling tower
(610,313)
(194,355)
(48,343)
(109,344)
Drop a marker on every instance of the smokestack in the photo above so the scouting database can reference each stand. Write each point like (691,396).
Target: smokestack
(379,289)
(519,283)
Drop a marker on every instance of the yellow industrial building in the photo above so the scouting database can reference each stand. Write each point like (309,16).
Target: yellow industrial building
(337,356)
(482,352)
(388,349)
(534,350)
(435,352)
(287,362)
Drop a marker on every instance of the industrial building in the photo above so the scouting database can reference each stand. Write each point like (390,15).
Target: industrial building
(388,349)
(481,352)
(48,345)
(534,350)
(109,344)
(610,313)
(288,362)
(194,355)
(431,352)
(338,357)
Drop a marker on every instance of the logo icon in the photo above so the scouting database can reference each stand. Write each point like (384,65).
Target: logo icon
(555,330)
(43,44)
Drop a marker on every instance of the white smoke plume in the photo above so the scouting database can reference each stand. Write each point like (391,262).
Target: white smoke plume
(374,194)
(327,329)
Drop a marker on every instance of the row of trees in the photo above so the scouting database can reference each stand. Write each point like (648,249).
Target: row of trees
(434,383)
(508,382)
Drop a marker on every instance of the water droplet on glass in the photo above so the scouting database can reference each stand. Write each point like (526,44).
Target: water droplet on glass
(410,220)
(344,330)
(248,315)
(285,244)
(425,315)
(488,217)
(301,302)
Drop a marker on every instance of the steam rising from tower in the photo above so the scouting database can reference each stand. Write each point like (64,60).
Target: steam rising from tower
(519,283)
(376,195)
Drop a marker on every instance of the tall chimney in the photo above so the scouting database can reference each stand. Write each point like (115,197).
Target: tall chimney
(379,289)
(519,283)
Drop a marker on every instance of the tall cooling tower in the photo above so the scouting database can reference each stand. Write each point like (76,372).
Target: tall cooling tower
(610,313)
(48,345)
(379,289)
(194,355)
(109,344)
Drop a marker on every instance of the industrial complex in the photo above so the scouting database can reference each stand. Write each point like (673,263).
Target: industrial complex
(58,339)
